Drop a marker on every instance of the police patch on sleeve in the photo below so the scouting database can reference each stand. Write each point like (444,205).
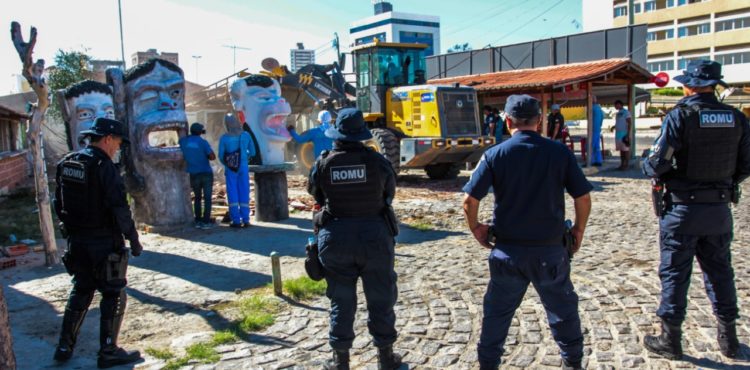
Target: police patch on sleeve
(348,174)
(74,171)
(716,119)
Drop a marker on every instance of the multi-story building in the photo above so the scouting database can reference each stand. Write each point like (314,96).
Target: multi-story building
(683,30)
(301,57)
(143,56)
(389,26)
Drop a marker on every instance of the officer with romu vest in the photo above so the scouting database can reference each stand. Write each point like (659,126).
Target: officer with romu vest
(90,201)
(355,186)
(697,162)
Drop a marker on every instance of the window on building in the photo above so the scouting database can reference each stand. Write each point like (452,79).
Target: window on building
(665,65)
(670,3)
(649,6)
(732,24)
(660,35)
(10,140)
(683,61)
(734,58)
(692,30)
(637,8)
(621,11)
(688,2)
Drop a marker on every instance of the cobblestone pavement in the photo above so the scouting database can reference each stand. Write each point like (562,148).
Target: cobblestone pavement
(442,282)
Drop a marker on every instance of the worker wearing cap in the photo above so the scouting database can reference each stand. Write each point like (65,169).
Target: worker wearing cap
(555,123)
(355,185)
(701,156)
(529,175)
(91,203)
(197,152)
(317,135)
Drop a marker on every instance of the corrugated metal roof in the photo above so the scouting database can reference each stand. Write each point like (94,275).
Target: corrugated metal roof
(547,76)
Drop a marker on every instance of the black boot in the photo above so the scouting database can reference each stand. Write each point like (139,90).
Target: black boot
(569,365)
(340,361)
(72,321)
(109,353)
(668,344)
(729,345)
(387,360)
(483,366)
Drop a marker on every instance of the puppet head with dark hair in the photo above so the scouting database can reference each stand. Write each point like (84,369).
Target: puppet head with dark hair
(81,104)
(150,97)
(257,101)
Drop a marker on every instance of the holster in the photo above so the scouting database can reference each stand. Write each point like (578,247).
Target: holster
(321,218)
(115,265)
(657,197)
(391,220)
(569,241)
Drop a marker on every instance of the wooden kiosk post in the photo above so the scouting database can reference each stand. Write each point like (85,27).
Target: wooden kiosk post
(271,191)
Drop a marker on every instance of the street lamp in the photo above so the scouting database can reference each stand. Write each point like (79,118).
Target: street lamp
(196,57)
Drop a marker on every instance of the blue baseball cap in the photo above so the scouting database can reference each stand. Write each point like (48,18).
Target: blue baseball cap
(701,73)
(350,126)
(522,106)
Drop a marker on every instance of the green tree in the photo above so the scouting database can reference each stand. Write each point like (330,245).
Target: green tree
(70,67)
(459,48)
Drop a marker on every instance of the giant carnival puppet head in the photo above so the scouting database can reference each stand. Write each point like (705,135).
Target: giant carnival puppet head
(258,102)
(81,104)
(150,97)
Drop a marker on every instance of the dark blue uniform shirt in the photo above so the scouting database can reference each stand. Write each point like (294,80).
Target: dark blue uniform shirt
(529,175)
(693,219)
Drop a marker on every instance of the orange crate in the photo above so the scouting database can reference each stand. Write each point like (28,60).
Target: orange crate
(17,250)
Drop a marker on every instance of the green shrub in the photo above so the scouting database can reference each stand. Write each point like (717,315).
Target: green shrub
(304,288)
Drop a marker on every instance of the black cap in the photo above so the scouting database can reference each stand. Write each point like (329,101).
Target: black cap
(350,126)
(197,129)
(701,73)
(106,126)
(522,106)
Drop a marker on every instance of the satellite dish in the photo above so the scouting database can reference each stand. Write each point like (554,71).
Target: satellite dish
(269,64)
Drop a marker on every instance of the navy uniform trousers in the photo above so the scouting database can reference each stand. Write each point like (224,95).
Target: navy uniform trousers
(512,268)
(352,248)
(715,260)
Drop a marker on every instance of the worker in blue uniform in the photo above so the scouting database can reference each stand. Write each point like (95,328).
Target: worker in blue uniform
(529,175)
(597,118)
(355,186)
(235,149)
(697,163)
(315,135)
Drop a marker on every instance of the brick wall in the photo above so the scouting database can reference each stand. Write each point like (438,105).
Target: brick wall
(14,171)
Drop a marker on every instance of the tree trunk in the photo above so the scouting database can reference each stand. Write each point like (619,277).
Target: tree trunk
(7,358)
(41,185)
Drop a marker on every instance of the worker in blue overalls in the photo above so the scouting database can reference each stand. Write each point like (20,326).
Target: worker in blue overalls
(235,149)
(700,157)
(529,175)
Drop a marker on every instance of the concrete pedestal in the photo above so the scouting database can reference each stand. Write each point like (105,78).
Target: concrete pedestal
(271,192)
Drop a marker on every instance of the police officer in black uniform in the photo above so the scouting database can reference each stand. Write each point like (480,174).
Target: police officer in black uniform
(355,185)
(700,157)
(90,201)
(530,175)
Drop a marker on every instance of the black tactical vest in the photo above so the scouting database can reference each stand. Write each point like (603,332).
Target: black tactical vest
(352,183)
(711,139)
(81,202)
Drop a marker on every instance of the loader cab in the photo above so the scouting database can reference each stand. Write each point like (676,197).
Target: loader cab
(382,65)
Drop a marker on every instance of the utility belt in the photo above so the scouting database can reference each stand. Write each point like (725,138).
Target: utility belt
(701,196)
(321,218)
(96,232)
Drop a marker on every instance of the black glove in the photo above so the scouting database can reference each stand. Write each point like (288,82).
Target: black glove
(290,128)
(135,248)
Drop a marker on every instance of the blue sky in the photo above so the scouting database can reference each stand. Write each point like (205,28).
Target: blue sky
(268,28)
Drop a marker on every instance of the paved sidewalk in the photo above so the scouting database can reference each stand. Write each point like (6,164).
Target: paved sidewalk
(442,278)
